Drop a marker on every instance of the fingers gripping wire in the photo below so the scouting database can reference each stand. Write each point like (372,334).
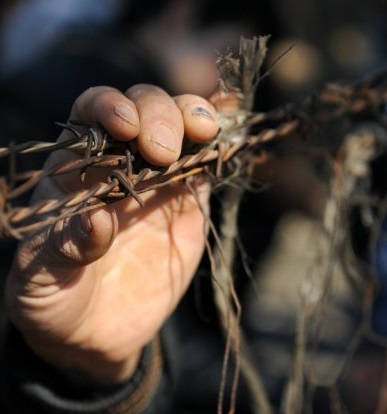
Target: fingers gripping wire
(94,141)
(97,139)
(97,142)
(130,176)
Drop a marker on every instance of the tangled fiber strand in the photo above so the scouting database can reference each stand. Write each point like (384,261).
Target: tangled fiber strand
(334,101)
(243,137)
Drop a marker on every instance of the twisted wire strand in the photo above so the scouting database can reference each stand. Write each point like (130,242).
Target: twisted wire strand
(333,101)
(147,179)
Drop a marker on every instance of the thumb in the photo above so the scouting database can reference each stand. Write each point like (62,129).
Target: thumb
(63,251)
(80,240)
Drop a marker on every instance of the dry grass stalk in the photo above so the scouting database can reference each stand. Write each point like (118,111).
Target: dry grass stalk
(243,133)
(239,76)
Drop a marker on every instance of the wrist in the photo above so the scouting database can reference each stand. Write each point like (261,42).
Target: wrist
(99,374)
(88,367)
(34,384)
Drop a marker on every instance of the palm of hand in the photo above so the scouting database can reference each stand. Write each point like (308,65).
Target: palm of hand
(145,272)
(87,298)
(115,304)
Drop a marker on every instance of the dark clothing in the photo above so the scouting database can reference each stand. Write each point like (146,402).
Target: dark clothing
(192,352)
(179,372)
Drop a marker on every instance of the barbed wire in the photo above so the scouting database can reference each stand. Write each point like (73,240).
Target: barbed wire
(244,136)
(130,176)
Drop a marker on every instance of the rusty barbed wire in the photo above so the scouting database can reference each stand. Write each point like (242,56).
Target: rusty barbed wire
(131,176)
(245,142)
(12,218)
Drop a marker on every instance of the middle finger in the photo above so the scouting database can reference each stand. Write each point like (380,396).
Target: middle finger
(161,124)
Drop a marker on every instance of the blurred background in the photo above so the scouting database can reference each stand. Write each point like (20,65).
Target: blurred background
(60,48)
(51,51)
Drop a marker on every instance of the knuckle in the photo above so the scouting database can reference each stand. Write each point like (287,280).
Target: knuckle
(144,89)
(91,99)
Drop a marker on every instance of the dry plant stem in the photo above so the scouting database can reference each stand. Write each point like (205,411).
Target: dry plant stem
(294,394)
(240,76)
(224,296)
(229,307)
(224,291)
(226,357)
(351,174)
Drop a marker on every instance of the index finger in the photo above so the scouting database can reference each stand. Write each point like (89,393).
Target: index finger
(101,105)
(109,107)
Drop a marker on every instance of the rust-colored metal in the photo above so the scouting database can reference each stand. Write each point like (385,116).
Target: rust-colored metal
(365,99)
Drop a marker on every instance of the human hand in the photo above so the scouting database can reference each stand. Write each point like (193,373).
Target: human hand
(91,292)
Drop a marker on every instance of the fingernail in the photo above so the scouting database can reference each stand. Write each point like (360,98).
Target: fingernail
(125,113)
(201,111)
(164,137)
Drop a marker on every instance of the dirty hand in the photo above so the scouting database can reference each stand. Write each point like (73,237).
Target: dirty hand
(88,294)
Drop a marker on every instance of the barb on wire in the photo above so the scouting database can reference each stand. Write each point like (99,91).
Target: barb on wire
(243,135)
(118,185)
(366,98)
